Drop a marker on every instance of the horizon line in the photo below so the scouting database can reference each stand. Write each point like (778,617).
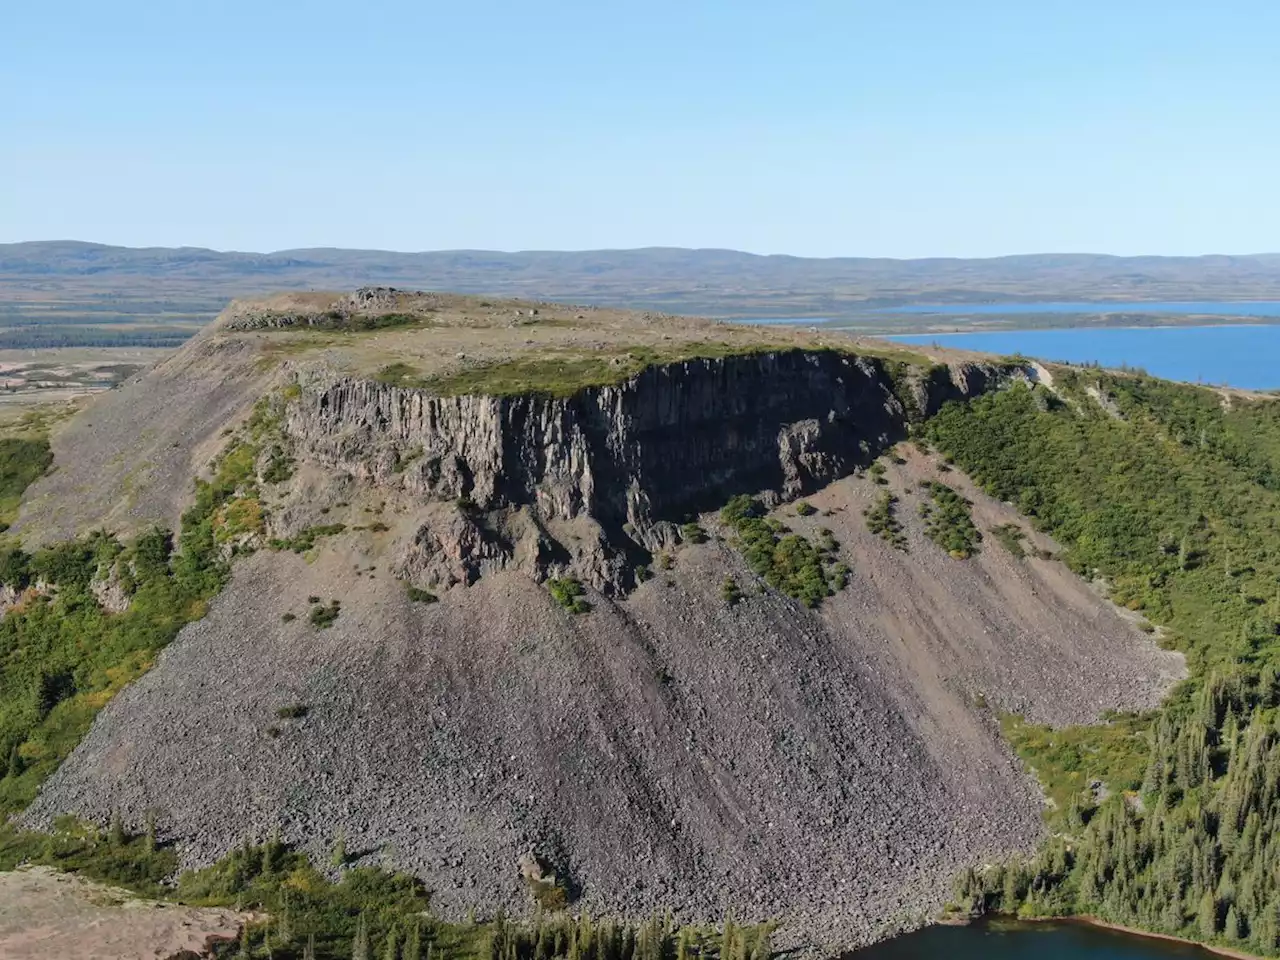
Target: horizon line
(641,249)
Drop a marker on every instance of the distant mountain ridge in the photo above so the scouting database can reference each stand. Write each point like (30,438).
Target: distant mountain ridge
(708,281)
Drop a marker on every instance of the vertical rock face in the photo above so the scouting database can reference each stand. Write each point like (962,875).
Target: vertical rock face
(673,440)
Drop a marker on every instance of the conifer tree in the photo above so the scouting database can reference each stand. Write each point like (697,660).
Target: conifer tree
(412,943)
(1231,929)
(1207,916)
(16,764)
(360,943)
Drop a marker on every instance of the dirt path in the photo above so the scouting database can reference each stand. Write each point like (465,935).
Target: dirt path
(47,915)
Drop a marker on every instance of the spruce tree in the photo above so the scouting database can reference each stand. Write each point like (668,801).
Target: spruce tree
(1231,930)
(1207,916)
(412,943)
(360,943)
(16,764)
(392,950)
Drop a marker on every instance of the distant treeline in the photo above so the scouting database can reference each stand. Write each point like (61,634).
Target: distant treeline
(37,337)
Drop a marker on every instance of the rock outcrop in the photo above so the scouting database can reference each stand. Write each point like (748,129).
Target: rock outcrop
(630,459)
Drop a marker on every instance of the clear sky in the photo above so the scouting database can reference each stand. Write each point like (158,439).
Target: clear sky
(893,128)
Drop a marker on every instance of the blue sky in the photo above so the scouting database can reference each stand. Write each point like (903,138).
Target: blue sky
(897,129)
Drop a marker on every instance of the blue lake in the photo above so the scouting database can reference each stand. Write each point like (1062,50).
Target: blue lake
(1245,356)
(1222,308)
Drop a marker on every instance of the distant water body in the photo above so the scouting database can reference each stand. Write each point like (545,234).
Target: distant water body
(1219,308)
(1028,941)
(1246,356)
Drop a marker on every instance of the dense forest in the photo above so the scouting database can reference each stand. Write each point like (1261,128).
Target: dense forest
(1170,496)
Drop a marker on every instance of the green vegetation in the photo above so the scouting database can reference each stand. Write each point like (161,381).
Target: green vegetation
(64,656)
(549,894)
(564,374)
(399,374)
(1175,503)
(1010,536)
(23,460)
(1067,760)
(805,509)
(293,711)
(569,594)
(882,520)
(789,563)
(418,595)
(279,467)
(302,913)
(692,533)
(324,615)
(305,540)
(949,520)
(731,592)
(876,473)
(336,320)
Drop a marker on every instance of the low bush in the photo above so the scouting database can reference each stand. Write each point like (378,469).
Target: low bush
(568,592)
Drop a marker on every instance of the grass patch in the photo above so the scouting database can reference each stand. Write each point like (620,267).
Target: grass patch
(306,539)
(693,533)
(293,711)
(564,374)
(1067,759)
(22,462)
(418,595)
(1010,536)
(400,375)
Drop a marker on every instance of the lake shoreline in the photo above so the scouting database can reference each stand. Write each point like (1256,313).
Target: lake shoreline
(976,330)
(1088,921)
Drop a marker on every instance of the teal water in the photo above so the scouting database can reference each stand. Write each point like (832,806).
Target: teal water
(1028,941)
(1222,308)
(1245,356)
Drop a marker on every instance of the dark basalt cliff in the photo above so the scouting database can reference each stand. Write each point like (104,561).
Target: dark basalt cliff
(630,459)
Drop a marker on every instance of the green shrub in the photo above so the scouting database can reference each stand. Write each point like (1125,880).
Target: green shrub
(805,509)
(949,521)
(787,562)
(1010,536)
(306,539)
(730,591)
(323,616)
(293,711)
(692,533)
(882,520)
(418,595)
(569,593)
(22,462)
(279,467)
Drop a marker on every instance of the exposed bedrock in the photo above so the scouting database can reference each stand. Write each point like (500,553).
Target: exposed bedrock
(674,440)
